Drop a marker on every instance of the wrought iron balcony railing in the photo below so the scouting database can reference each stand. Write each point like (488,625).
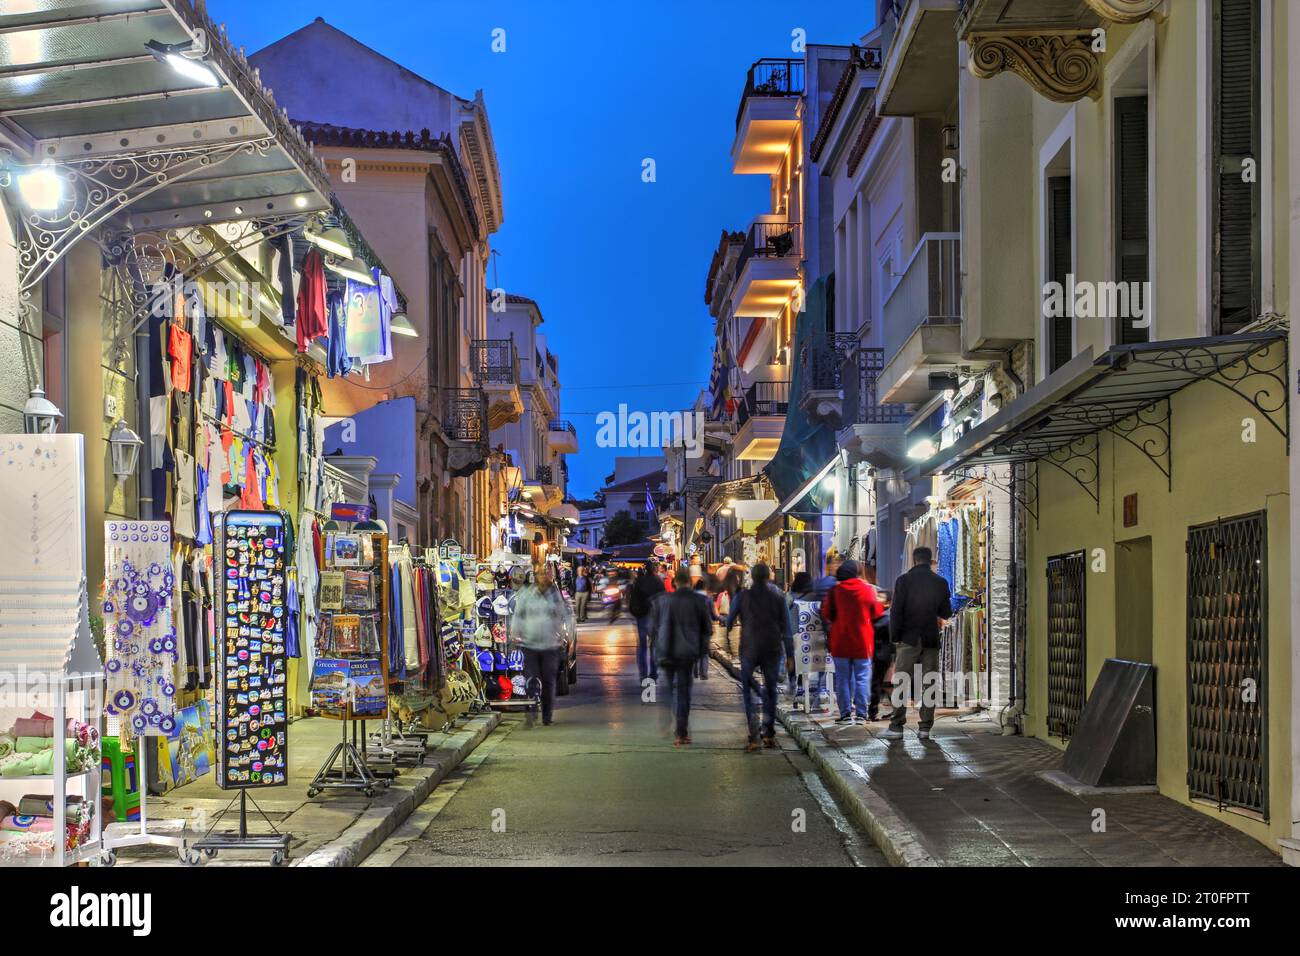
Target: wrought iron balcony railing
(860,403)
(764,399)
(772,76)
(823,359)
(776,240)
(560,425)
(465,415)
(494,361)
(544,474)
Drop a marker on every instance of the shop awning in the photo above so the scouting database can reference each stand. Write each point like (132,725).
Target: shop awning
(1125,390)
(177,133)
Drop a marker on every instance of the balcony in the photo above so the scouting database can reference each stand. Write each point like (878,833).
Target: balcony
(761,420)
(919,75)
(768,115)
(822,379)
(543,488)
(922,319)
(465,428)
(872,431)
(768,268)
(562,437)
(496,370)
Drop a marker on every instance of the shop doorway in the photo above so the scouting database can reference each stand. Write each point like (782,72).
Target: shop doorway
(1066,643)
(1227,605)
(1134,602)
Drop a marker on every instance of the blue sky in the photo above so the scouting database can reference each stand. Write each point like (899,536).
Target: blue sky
(584,92)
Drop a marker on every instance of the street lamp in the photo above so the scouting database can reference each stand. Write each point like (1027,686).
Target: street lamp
(184,59)
(40,415)
(125,446)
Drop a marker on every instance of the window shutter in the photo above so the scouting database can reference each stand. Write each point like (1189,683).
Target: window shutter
(1059,263)
(1236,248)
(1132,245)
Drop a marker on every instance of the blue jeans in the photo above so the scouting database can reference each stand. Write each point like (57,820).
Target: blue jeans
(768,668)
(853,684)
(645,656)
(679,679)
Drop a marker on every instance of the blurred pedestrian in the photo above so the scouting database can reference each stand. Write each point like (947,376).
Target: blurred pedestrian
(701,588)
(645,590)
(764,625)
(801,589)
(538,624)
(850,610)
(683,625)
(582,594)
(921,600)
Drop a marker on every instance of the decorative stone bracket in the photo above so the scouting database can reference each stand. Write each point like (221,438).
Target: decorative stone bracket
(1060,66)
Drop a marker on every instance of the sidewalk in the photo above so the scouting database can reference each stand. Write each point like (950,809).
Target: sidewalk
(337,828)
(970,796)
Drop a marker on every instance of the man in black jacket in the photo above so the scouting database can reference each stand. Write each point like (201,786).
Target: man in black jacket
(682,625)
(645,590)
(921,600)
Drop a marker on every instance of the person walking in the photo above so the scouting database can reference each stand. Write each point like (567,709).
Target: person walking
(731,586)
(702,589)
(645,590)
(538,624)
(921,600)
(764,625)
(828,580)
(683,626)
(582,594)
(850,611)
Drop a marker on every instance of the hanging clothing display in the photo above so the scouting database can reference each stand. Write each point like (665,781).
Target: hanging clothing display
(312,319)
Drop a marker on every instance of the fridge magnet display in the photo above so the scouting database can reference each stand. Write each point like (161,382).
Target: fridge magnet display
(252,727)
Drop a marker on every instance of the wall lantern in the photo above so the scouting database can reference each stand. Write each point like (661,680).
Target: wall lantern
(125,446)
(40,415)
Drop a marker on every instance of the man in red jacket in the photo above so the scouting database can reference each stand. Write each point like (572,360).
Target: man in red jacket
(849,610)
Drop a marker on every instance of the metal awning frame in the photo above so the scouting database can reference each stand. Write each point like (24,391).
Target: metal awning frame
(1060,421)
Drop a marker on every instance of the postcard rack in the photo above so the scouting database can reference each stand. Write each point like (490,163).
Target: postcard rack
(349,680)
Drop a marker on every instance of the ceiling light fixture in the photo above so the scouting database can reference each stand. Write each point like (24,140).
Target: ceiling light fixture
(401,325)
(185,59)
(333,240)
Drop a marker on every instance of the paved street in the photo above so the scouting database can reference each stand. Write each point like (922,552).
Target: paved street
(604,785)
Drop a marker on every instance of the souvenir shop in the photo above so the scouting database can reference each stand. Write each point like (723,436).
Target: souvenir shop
(956,529)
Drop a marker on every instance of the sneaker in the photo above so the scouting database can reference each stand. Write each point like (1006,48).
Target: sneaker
(844,719)
(923,734)
(769,743)
(681,741)
(752,746)
(892,733)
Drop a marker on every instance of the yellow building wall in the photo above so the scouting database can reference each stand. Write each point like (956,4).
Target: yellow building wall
(1215,474)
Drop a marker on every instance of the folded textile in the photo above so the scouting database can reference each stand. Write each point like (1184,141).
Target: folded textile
(21,824)
(37,725)
(7,745)
(36,745)
(27,765)
(39,805)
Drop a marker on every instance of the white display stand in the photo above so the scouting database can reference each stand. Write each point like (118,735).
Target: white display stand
(46,649)
(811,655)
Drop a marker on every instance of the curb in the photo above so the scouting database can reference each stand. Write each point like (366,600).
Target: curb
(410,790)
(848,782)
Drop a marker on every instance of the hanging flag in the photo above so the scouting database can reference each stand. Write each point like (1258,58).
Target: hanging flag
(649,501)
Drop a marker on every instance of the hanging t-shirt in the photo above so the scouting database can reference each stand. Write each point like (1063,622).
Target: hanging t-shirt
(183,515)
(180,347)
(313,320)
(338,361)
(367,330)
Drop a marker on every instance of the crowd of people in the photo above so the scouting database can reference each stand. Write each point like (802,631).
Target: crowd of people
(680,615)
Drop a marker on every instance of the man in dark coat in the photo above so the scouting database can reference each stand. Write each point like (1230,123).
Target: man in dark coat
(921,600)
(683,625)
(764,625)
(645,591)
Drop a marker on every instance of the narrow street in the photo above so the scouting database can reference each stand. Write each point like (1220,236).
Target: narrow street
(604,785)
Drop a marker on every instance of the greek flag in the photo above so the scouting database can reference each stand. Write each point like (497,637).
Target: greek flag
(649,502)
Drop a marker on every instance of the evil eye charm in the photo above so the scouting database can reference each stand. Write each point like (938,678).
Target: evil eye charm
(169,644)
(156,646)
(149,707)
(155,569)
(109,607)
(142,607)
(167,724)
(125,628)
(139,724)
(169,689)
(124,700)
(169,580)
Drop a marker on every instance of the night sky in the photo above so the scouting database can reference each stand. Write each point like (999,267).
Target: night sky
(584,92)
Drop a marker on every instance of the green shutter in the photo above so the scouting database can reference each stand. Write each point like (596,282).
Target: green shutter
(1236,241)
(1132,246)
(1060,260)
